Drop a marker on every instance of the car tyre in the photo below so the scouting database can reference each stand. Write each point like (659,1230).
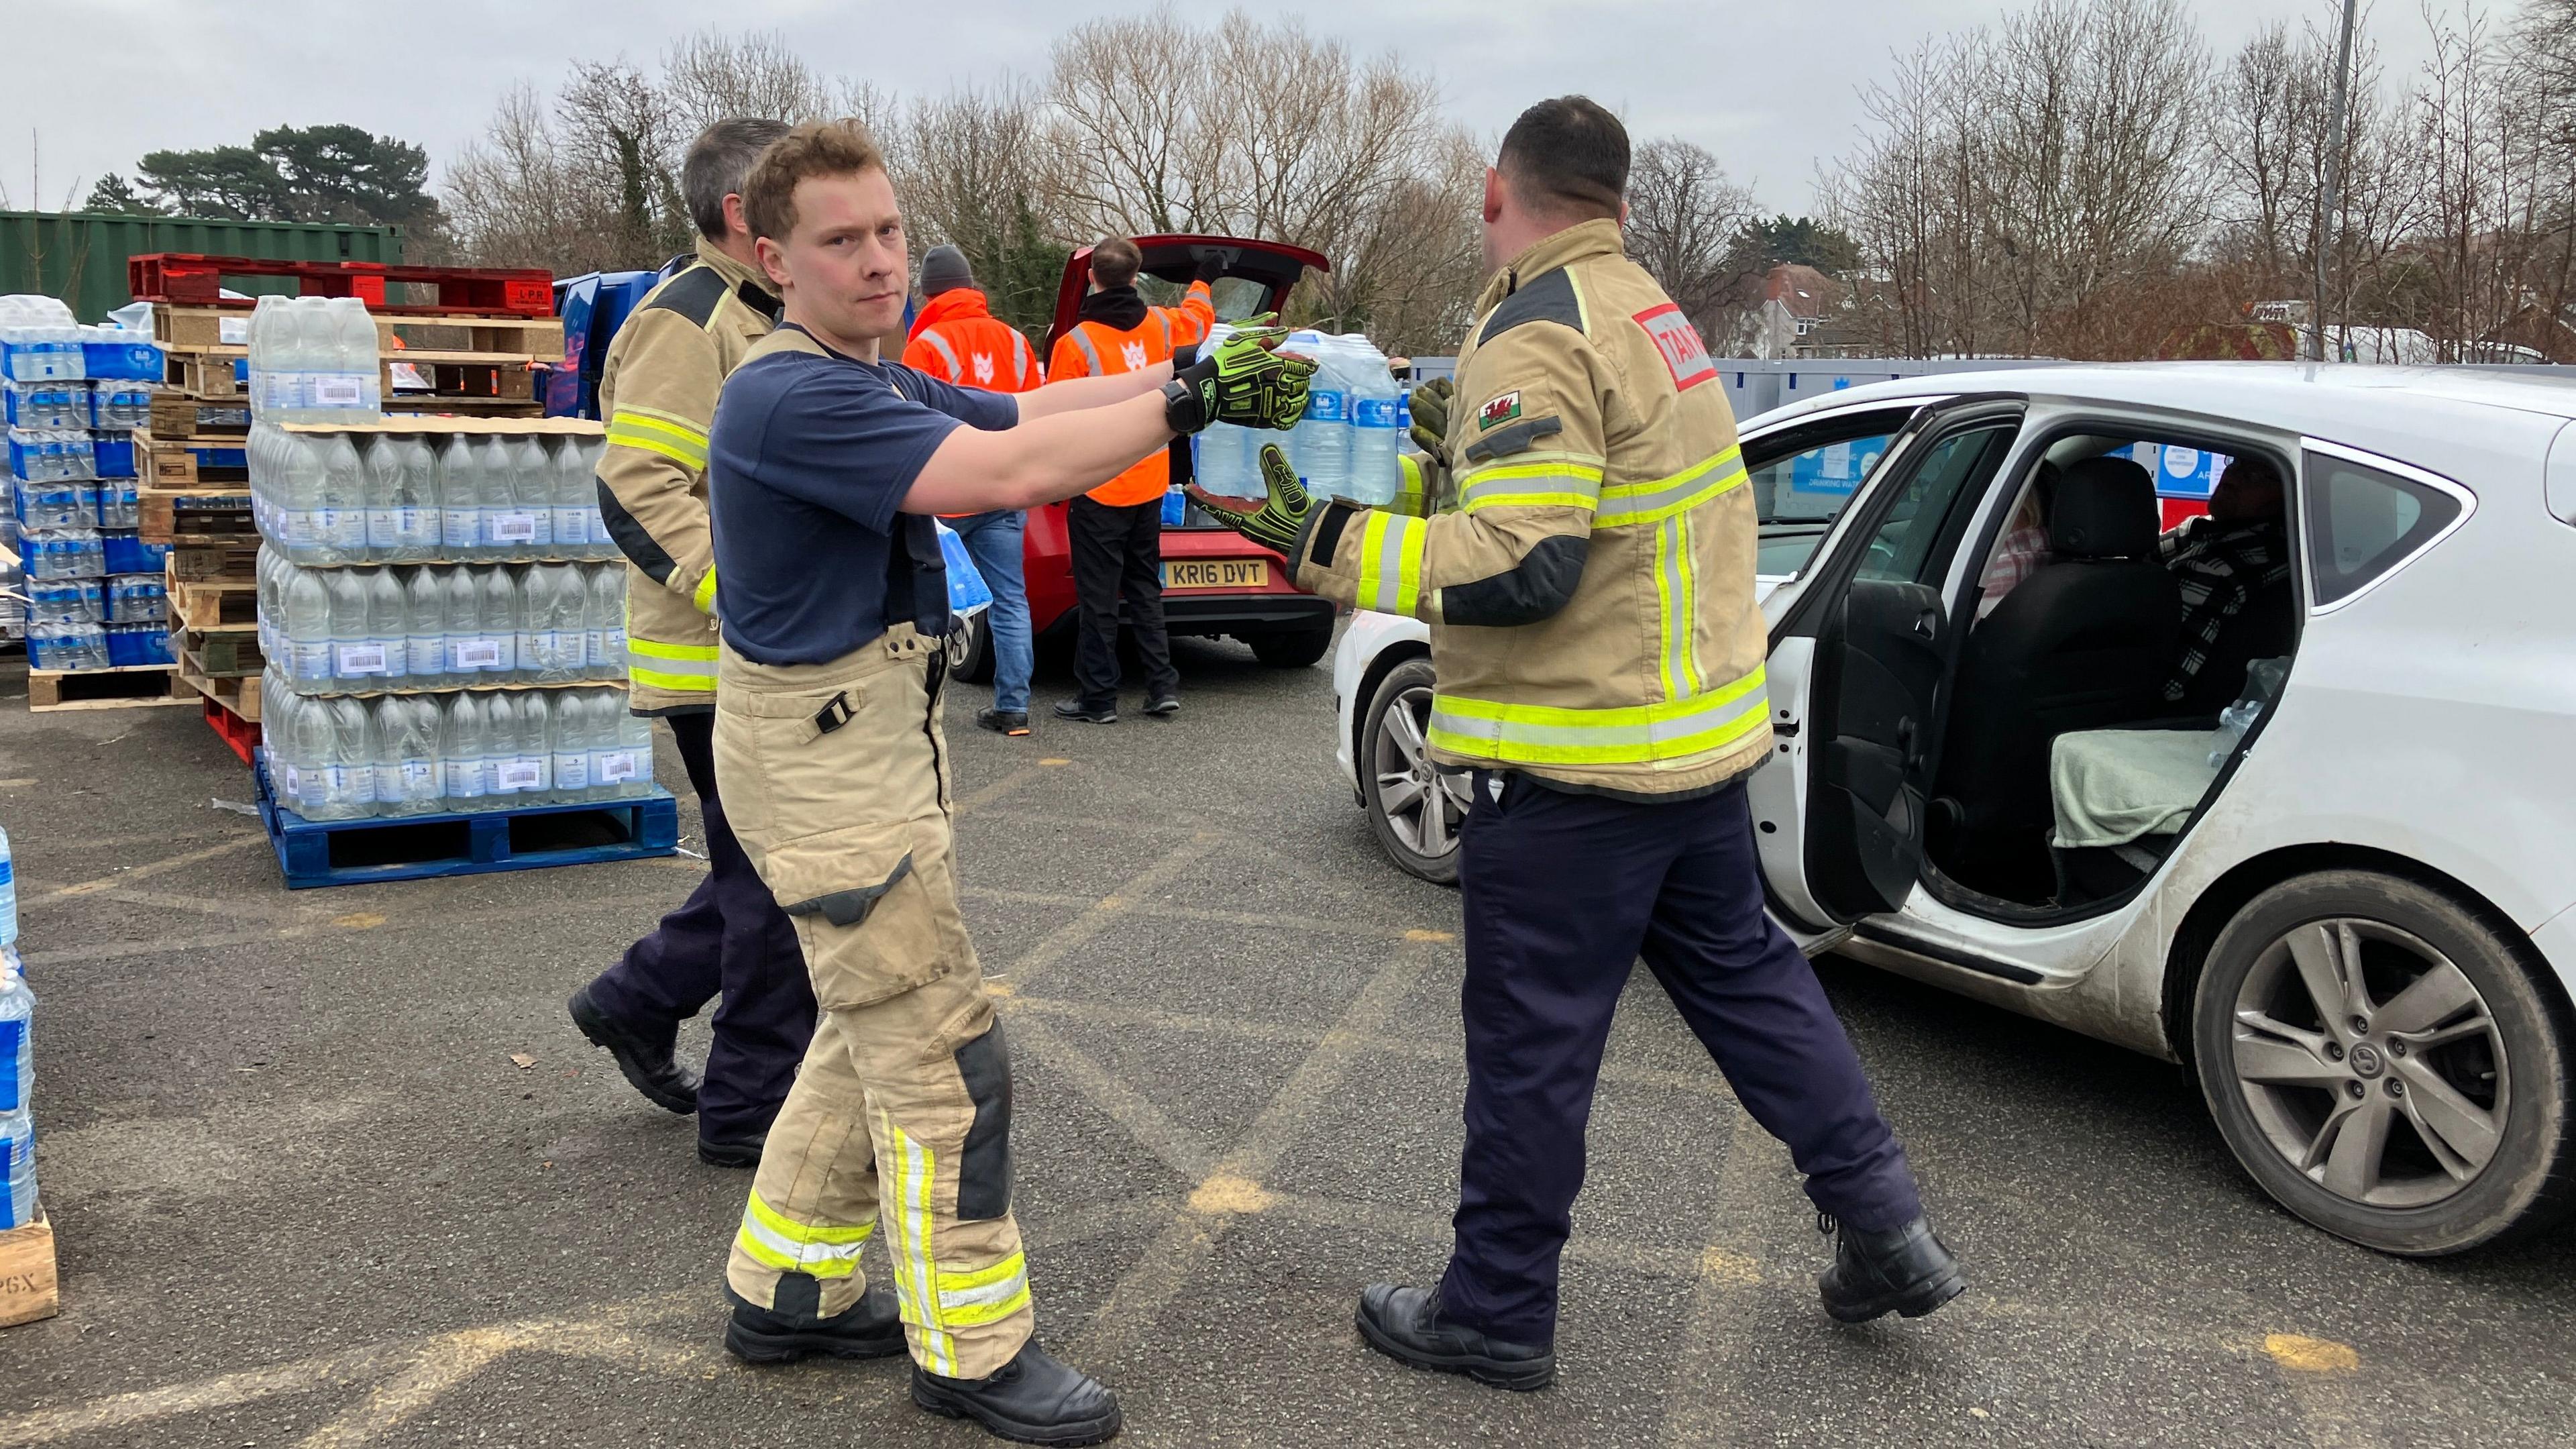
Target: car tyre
(970,649)
(1295,649)
(1414,810)
(2434,1117)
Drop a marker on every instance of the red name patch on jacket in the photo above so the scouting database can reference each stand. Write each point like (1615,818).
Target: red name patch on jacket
(1685,356)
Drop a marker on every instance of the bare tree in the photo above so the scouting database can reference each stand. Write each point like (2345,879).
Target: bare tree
(1683,217)
(710,75)
(1914,197)
(513,199)
(977,176)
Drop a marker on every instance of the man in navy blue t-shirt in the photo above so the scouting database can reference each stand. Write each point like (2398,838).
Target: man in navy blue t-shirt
(825,466)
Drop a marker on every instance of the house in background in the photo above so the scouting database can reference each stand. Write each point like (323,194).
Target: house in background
(1800,315)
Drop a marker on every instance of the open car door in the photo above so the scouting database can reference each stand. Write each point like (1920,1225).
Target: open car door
(1857,668)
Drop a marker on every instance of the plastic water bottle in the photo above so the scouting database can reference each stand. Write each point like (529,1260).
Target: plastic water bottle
(536,743)
(461,615)
(407,777)
(344,501)
(356,748)
(575,499)
(300,513)
(497,604)
(354,659)
(460,500)
(17,1170)
(17,1010)
(462,735)
(1375,430)
(507,530)
(308,631)
(353,383)
(381,470)
(532,486)
(571,624)
(534,614)
(415,499)
(267,401)
(1320,445)
(568,741)
(605,646)
(424,632)
(8,894)
(389,625)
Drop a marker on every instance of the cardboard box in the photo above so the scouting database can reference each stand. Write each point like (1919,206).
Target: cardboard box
(27,1287)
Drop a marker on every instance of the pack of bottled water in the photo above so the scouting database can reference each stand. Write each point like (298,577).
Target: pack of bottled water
(329,499)
(46,405)
(119,405)
(40,340)
(62,553)
(73,646)
(44,455)
(313,360)
(13,586)
(410,754)
(364,630)
(17,1061)
(1346,444)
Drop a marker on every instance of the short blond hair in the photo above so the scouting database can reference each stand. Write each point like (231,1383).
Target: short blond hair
(816,148)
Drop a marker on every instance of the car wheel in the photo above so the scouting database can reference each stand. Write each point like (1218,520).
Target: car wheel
(1294,650)
(1415,809)
(2385,1066)
(970,649)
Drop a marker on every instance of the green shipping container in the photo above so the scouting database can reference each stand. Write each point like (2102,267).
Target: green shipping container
(79,256)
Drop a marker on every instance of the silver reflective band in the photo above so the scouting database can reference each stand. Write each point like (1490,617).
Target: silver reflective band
(946,353)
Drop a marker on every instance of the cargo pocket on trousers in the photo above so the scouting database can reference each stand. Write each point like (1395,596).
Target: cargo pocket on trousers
(984,1170)
(864,916)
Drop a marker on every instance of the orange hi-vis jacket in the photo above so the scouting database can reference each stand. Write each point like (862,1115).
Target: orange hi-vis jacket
(957,339)
(1096,349)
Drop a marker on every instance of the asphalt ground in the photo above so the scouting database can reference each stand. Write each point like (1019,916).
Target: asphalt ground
(307,1195)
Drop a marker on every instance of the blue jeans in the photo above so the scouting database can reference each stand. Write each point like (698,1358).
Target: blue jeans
(996,542)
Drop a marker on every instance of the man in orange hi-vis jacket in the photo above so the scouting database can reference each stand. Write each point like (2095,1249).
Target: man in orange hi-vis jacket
(957,338)
(1116,530)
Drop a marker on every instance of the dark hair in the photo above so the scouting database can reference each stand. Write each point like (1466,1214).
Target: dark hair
(718,162)
(1567,156)
(816,148)
(1115,262)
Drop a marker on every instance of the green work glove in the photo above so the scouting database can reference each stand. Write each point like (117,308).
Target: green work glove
(1431,418)
(1276,524)
(1246,381)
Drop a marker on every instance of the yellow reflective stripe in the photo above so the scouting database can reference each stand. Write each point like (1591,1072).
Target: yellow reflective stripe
(985,1296)
(655,649)
(1391,562)
(796,1232)
(676,441)
(1542,480)
(657,679)
(1411,496)
(777,1241)
(1657,499)
(1629,734)
(1677,608)
(910,1245)
(704,595)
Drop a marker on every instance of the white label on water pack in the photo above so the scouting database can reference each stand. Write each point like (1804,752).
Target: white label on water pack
(338,390)
(594,649)
(232,331)
(362,659)
(478,653)
(294,784)
(514,528)
(616,765)
(517,774)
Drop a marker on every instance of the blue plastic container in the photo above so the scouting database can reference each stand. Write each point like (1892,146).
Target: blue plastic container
(115,452)
(127,554)
(967,591)
(121,357)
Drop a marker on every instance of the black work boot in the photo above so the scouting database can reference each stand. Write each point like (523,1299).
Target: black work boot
(1032,1400)
(1405,1325)
(1012,722)
(645,1059)
(1906,1269)
(796,1328)
(1075,709)
(737,1152)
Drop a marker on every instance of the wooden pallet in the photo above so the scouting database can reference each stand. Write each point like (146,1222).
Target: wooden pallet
(29,1285)
(203,605)
(185,516)
(228,562)
(177,415)
(231,652)
(206,376)
(236,697)
(419,847)
(188,462)
(537,339)
(126,686)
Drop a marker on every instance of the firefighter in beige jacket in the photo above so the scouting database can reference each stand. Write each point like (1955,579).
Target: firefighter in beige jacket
(658,393)
(1599,658)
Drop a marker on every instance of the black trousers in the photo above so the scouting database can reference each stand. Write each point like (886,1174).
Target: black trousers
(1563,893)
(1119,550)
(729,940)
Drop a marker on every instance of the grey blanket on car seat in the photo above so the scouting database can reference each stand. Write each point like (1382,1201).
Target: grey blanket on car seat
(2112,786)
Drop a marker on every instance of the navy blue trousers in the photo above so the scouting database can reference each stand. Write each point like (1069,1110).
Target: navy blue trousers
(728,943)
(1563,893)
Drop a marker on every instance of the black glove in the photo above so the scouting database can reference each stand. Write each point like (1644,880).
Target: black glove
(1279,522)
(1212,264)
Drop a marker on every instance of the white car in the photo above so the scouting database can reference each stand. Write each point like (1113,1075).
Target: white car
(2350,905)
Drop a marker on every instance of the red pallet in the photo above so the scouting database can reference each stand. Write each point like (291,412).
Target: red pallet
(195,280)
(239,733)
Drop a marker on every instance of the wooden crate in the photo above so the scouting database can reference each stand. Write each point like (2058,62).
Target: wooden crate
(189,462)
(202,605)
(127,686)
(210,563)
(178,516)
(239,697)
(204,375)
(29,1287)
(177,325)
(177,415)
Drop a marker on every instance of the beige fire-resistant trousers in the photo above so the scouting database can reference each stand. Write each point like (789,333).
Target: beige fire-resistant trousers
(835,777)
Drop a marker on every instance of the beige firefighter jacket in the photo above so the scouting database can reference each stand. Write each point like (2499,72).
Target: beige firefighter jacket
(658,393)
(1591,601)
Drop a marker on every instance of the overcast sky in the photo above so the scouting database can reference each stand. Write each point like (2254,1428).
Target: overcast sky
(1769,87)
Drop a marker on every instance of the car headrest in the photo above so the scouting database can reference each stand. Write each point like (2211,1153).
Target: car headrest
(2104,508)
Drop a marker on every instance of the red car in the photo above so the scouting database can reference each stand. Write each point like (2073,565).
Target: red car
(1215,582)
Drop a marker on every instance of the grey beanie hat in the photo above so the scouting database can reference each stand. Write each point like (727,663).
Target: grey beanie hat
(944,269)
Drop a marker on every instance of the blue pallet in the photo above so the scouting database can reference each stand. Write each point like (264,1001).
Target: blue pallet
(424,847)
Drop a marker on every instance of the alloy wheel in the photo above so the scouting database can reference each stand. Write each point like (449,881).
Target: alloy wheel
(1422,805)
(2371,1063)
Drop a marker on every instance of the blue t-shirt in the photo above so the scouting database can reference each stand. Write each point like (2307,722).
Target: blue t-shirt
(807,462)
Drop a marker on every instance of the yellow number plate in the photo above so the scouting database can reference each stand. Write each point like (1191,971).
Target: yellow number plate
(1217,573)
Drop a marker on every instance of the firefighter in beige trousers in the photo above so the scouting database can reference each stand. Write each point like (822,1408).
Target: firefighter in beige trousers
(825,469)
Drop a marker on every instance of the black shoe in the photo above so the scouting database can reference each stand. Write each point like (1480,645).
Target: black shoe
(869,1328)
(1087,713)
(1907,1270)
(1405,1325)
(1164,706)
(1032,1399)
(1012,722)
(646,1060)
(741,1152)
